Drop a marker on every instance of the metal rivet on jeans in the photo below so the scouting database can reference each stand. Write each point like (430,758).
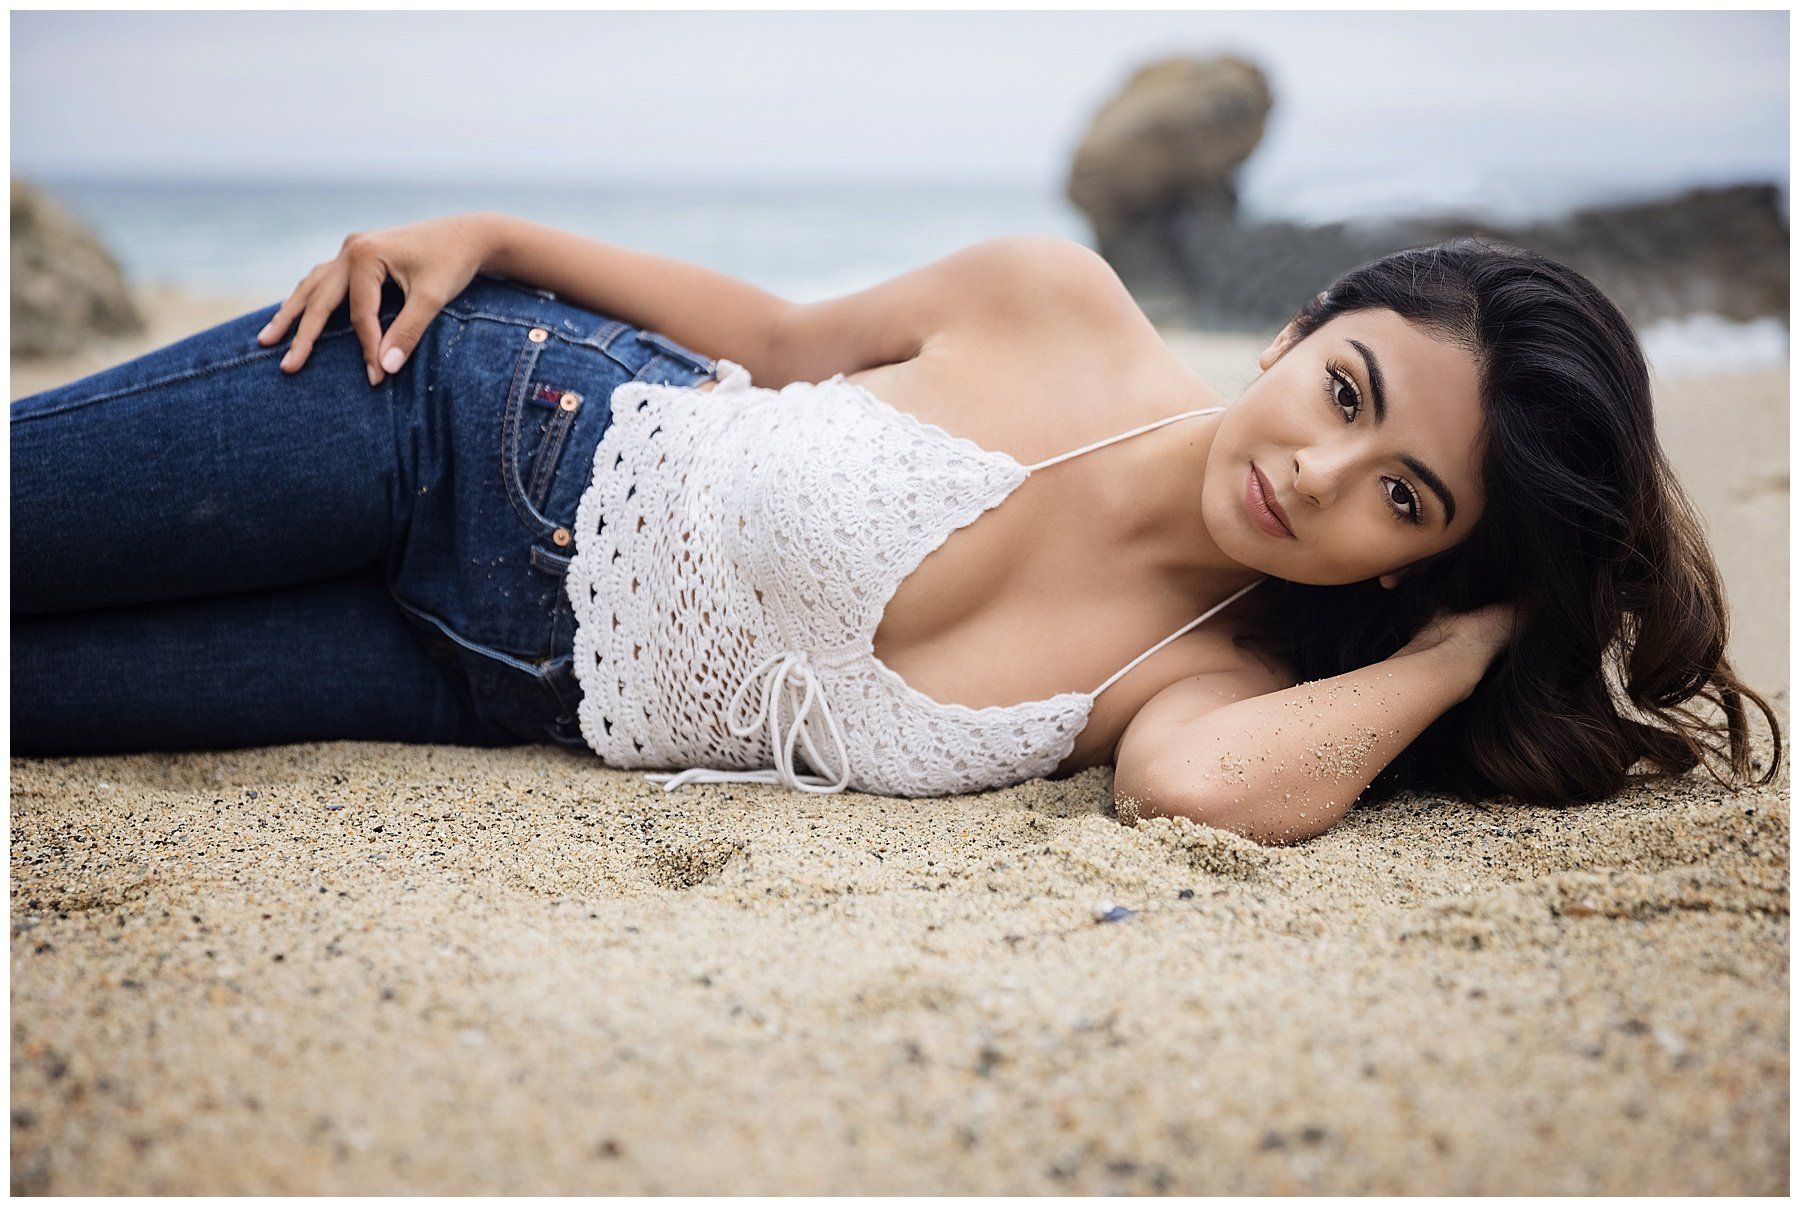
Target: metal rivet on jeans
(538,335)
(560,536)
(571,400)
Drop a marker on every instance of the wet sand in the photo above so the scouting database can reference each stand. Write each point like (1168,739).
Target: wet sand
(365,968)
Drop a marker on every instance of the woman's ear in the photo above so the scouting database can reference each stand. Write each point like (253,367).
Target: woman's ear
(1393,578)
(1288,336)
(1285,340)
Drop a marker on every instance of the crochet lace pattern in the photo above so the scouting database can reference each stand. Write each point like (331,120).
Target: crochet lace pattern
(799,511)
(734,553)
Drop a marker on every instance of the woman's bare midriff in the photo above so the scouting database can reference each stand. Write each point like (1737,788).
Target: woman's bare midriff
(1040,595)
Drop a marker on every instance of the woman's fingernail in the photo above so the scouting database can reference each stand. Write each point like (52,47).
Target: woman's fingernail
(371,369)
(264,333)
(392,359)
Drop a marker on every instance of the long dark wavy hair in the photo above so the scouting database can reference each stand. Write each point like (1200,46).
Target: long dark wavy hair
(1585,525)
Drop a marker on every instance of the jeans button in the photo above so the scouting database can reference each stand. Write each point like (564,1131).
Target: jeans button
(538,335)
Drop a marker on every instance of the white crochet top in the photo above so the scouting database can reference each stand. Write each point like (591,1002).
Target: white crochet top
(734,554)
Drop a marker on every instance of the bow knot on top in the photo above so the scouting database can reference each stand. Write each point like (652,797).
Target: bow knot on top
(785,677)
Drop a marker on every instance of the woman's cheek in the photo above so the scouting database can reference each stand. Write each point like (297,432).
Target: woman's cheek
(1352,557)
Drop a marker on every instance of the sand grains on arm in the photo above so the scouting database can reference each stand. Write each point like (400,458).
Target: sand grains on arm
(1153,766)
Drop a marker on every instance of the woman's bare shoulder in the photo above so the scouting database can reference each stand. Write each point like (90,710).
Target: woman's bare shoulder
(1084,326)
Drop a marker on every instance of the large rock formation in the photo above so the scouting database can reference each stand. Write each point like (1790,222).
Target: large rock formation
(1162,152)
(1154,175)
(66,289)
(1174,135)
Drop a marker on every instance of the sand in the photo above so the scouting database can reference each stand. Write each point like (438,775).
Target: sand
(367,968)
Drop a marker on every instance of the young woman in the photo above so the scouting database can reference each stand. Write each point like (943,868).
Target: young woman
(972,525)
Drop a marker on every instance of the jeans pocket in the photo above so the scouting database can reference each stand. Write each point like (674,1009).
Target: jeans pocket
(558,399)
(546,417)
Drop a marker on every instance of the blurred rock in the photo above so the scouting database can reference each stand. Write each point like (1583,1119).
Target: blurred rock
(67,290)
(1718,251)
(1155,174)
(1173,136)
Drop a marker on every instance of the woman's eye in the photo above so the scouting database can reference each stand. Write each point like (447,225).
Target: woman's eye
(1342,393)
(1407,502)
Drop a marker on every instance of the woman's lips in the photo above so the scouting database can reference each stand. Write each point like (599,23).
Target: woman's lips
(1259,499)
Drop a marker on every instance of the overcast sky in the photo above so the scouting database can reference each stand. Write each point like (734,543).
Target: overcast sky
(552,96)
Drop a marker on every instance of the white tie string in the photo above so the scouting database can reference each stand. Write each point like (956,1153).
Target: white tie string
(778,674)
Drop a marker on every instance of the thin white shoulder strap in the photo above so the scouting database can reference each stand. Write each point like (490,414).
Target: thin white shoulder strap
(1121,672)
(1088,448)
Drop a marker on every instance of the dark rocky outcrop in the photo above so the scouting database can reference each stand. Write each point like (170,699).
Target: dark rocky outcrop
(1172,231)
(67,290)
(1718,250)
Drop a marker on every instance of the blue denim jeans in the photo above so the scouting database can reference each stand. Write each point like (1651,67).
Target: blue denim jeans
(208,552)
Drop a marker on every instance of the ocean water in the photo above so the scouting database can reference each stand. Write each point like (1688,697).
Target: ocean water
(1707,343)
(799,243)
(256,239)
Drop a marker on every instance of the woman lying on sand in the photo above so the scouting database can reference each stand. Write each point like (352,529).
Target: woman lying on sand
(500,491)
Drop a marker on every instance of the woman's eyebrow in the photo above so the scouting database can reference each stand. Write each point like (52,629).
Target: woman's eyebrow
(1376,389)
(1378,395)
(1436,483)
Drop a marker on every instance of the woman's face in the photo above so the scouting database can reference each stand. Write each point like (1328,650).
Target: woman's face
(1367,437)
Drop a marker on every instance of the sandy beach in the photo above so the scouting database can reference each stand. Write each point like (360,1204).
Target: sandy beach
(352,968)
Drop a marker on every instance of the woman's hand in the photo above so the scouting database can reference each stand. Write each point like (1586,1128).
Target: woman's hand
(431,261)
(1480,634)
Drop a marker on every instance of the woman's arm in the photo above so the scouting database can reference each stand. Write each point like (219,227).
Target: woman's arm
(1287,765)
(995,290)
(708,311)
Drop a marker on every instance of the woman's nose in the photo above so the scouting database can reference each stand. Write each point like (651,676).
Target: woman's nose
(1314,476)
